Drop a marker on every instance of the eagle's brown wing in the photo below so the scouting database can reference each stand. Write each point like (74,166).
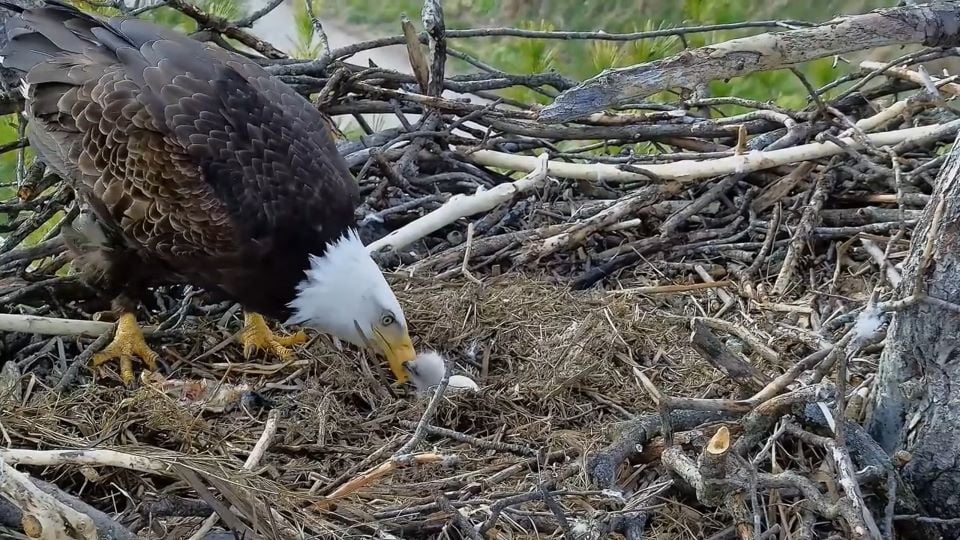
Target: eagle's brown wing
(197,156)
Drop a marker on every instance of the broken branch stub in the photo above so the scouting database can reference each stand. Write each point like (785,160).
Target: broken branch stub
(713,468)
(930,24)
(44,517)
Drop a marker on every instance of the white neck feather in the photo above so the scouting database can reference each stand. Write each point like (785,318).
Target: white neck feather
(343,288)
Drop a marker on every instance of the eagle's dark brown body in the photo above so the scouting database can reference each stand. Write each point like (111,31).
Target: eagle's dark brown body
(198,165)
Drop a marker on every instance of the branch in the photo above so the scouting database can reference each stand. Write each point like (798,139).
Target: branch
(93,458)
(577,234)
(226,28)
(688,171)
(931,25)
(44,516)
(461,206)
(53,326)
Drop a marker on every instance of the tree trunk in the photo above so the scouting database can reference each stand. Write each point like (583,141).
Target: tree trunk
(917,409)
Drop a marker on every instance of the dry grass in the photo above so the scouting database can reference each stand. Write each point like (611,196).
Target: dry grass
(556,374)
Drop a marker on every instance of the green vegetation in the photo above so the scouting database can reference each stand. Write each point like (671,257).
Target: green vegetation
(577,59)
(306,44)
(584,59)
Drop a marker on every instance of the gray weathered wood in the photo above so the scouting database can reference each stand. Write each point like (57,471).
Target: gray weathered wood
(930,24)
(917,408)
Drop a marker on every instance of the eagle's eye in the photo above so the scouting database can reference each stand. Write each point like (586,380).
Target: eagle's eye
(387,319)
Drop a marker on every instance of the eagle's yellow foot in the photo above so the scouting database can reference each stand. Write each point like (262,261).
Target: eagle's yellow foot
(127,343)
(257,335)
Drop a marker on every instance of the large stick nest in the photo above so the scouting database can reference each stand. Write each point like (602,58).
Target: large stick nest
(615,323)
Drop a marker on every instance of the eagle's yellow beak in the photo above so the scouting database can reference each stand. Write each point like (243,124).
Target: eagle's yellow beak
(398,349)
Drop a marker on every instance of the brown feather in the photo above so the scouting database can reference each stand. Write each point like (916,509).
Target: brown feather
(210,171)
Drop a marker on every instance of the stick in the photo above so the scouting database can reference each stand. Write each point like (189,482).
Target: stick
(909,75)
(739,57)
(421,71)
(714,351)
(464,268)
(377,472)
(53,326)
(809,220)
(459,518)
(688,171)
(226,28)
(421,430)
(745,335)
(578,232)
(269,431)
(106,526)
(82,359)
(95,458)
(664,289)
(460,206)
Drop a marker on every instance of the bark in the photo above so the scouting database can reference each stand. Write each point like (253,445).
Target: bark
(692,170)
(917,410)
(934,25)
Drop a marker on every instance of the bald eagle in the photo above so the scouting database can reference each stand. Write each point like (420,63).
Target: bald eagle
(194,166)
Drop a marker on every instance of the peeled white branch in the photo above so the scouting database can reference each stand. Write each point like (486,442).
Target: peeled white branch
(910,75)
(461,206)
(94,458)
(688,171)
(931,24)
(53,326)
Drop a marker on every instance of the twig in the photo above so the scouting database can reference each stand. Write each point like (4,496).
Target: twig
(463,523)
(577,233)
(472,441)
(810,219)
(713,351)
(259,449)
(771,237)
(380,471)
(668,289)
(464,269)
(82,359)
(226,28)
(909,75)
(421,430)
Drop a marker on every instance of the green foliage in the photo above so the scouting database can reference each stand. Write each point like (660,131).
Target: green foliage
(584,59)
(8,161)
(171,18)
(305,42)
(527,56)
(230,10)
(386,15)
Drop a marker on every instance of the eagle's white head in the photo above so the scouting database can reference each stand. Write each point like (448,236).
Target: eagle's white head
(345,295)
